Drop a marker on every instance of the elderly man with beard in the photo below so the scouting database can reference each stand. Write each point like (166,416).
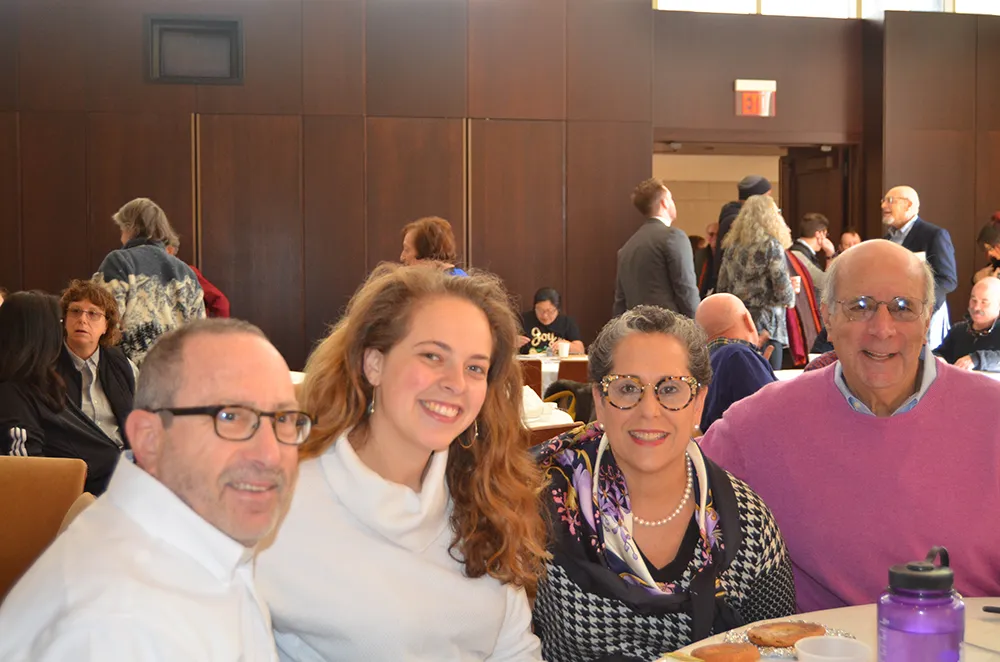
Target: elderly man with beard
(974,344)
(161,566)
(872,460)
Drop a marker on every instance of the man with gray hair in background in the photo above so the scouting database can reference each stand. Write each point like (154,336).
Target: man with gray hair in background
(901,215)
(872,460)
(160,568)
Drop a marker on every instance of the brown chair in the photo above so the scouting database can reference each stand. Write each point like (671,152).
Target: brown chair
(43,488)
(81,504)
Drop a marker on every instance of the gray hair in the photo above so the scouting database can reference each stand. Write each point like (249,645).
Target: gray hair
(650,319)
(829,296)
(162,370)
(144,218)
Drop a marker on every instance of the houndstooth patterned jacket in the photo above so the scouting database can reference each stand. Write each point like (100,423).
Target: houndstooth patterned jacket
(579,626)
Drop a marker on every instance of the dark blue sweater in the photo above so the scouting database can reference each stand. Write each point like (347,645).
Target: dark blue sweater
(738,371)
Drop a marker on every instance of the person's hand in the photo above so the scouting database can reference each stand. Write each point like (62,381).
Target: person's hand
(522,341)
(767,352)
(965,363)
(828,248)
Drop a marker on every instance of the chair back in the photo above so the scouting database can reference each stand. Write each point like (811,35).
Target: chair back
(43,488)
(80,505)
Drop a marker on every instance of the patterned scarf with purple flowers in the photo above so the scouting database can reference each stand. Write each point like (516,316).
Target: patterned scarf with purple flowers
(571,461)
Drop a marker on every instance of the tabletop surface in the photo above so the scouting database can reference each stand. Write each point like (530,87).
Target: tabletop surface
(982,630)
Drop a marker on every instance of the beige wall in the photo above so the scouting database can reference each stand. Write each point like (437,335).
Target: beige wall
(701,184)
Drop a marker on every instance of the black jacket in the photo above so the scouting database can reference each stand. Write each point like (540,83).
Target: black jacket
(936,244)
(116,378)
(729,212)
(983,348)
(656,267)
(28,426)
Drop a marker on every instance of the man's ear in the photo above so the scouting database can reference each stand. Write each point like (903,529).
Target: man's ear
(145,433)
(372,364)
(824,314)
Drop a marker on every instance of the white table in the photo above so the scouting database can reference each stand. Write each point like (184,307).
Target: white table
(982,630)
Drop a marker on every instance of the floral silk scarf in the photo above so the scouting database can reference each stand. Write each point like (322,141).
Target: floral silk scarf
(592,502)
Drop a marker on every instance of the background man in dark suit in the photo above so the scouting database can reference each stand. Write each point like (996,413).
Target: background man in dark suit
(656,265)
(901,213)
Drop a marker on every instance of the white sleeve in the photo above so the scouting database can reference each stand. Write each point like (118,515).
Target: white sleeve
(516,642)
(91,640)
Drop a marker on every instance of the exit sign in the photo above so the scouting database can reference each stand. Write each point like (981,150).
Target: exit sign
(756,98)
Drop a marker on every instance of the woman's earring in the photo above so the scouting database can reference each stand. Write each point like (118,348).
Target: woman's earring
(468,440)
(371,405)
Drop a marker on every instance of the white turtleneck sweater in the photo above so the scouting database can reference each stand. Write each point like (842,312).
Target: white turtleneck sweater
(360,570)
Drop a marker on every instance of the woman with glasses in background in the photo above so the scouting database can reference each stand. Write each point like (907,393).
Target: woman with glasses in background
(36,417)
(655,546)
(415,532)
(99,378)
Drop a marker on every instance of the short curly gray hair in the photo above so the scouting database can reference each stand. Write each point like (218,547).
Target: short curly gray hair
(650,319)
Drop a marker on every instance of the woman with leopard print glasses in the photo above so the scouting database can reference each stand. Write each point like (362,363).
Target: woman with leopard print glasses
(654,545)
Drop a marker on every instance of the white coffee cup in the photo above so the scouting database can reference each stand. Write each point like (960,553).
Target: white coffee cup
(832,649)
(563,348)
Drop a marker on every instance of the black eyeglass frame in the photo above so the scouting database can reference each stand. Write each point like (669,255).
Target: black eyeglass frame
(214,410)
(693,386)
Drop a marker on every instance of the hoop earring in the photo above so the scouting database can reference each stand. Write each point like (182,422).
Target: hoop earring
(475,436)
(371,405)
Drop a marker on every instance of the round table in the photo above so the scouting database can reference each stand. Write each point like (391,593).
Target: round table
(982,630)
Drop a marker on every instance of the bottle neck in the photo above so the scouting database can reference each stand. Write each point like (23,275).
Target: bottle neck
(912,596)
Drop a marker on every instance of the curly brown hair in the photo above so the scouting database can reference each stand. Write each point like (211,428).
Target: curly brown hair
(433,239)
(87,290)
(495,486)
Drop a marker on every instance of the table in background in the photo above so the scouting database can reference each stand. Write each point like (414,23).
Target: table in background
(541,370)
(982,630)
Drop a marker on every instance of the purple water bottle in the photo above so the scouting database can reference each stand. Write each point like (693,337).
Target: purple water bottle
(920,617)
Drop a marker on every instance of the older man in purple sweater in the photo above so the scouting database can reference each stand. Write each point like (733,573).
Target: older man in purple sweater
(875,459)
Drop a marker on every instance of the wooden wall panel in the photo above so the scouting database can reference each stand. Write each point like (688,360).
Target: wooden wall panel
(987,124)
(604,162)
(8,55)
(609,53)
(54,200)
(415,168)
(251,222)
(334,212)
(131,155)
(52,47)
(941,166)
(115,63)
(10,204)
(517,59)
(333,57)
(930,139)
(947,63)
(517,221)
(272,83)
(698,57)
(416,57)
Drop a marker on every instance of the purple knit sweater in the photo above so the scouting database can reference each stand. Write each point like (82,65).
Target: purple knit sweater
(854,494)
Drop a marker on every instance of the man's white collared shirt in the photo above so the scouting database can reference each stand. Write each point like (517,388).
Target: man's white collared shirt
(663,219)
(141,577)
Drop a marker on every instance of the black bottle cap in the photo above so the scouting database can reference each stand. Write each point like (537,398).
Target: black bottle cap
(924,575)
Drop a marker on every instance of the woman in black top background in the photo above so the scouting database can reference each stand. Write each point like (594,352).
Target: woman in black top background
(544,325)
(989,239)
(35,416)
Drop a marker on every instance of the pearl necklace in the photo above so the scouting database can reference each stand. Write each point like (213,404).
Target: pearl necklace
(677,511)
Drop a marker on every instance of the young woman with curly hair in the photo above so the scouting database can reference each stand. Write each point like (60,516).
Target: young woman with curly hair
(416,529)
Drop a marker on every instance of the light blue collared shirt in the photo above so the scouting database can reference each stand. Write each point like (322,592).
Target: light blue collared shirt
(928,375)
(899,236)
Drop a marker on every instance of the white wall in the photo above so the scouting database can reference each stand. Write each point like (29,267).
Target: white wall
(702,184)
